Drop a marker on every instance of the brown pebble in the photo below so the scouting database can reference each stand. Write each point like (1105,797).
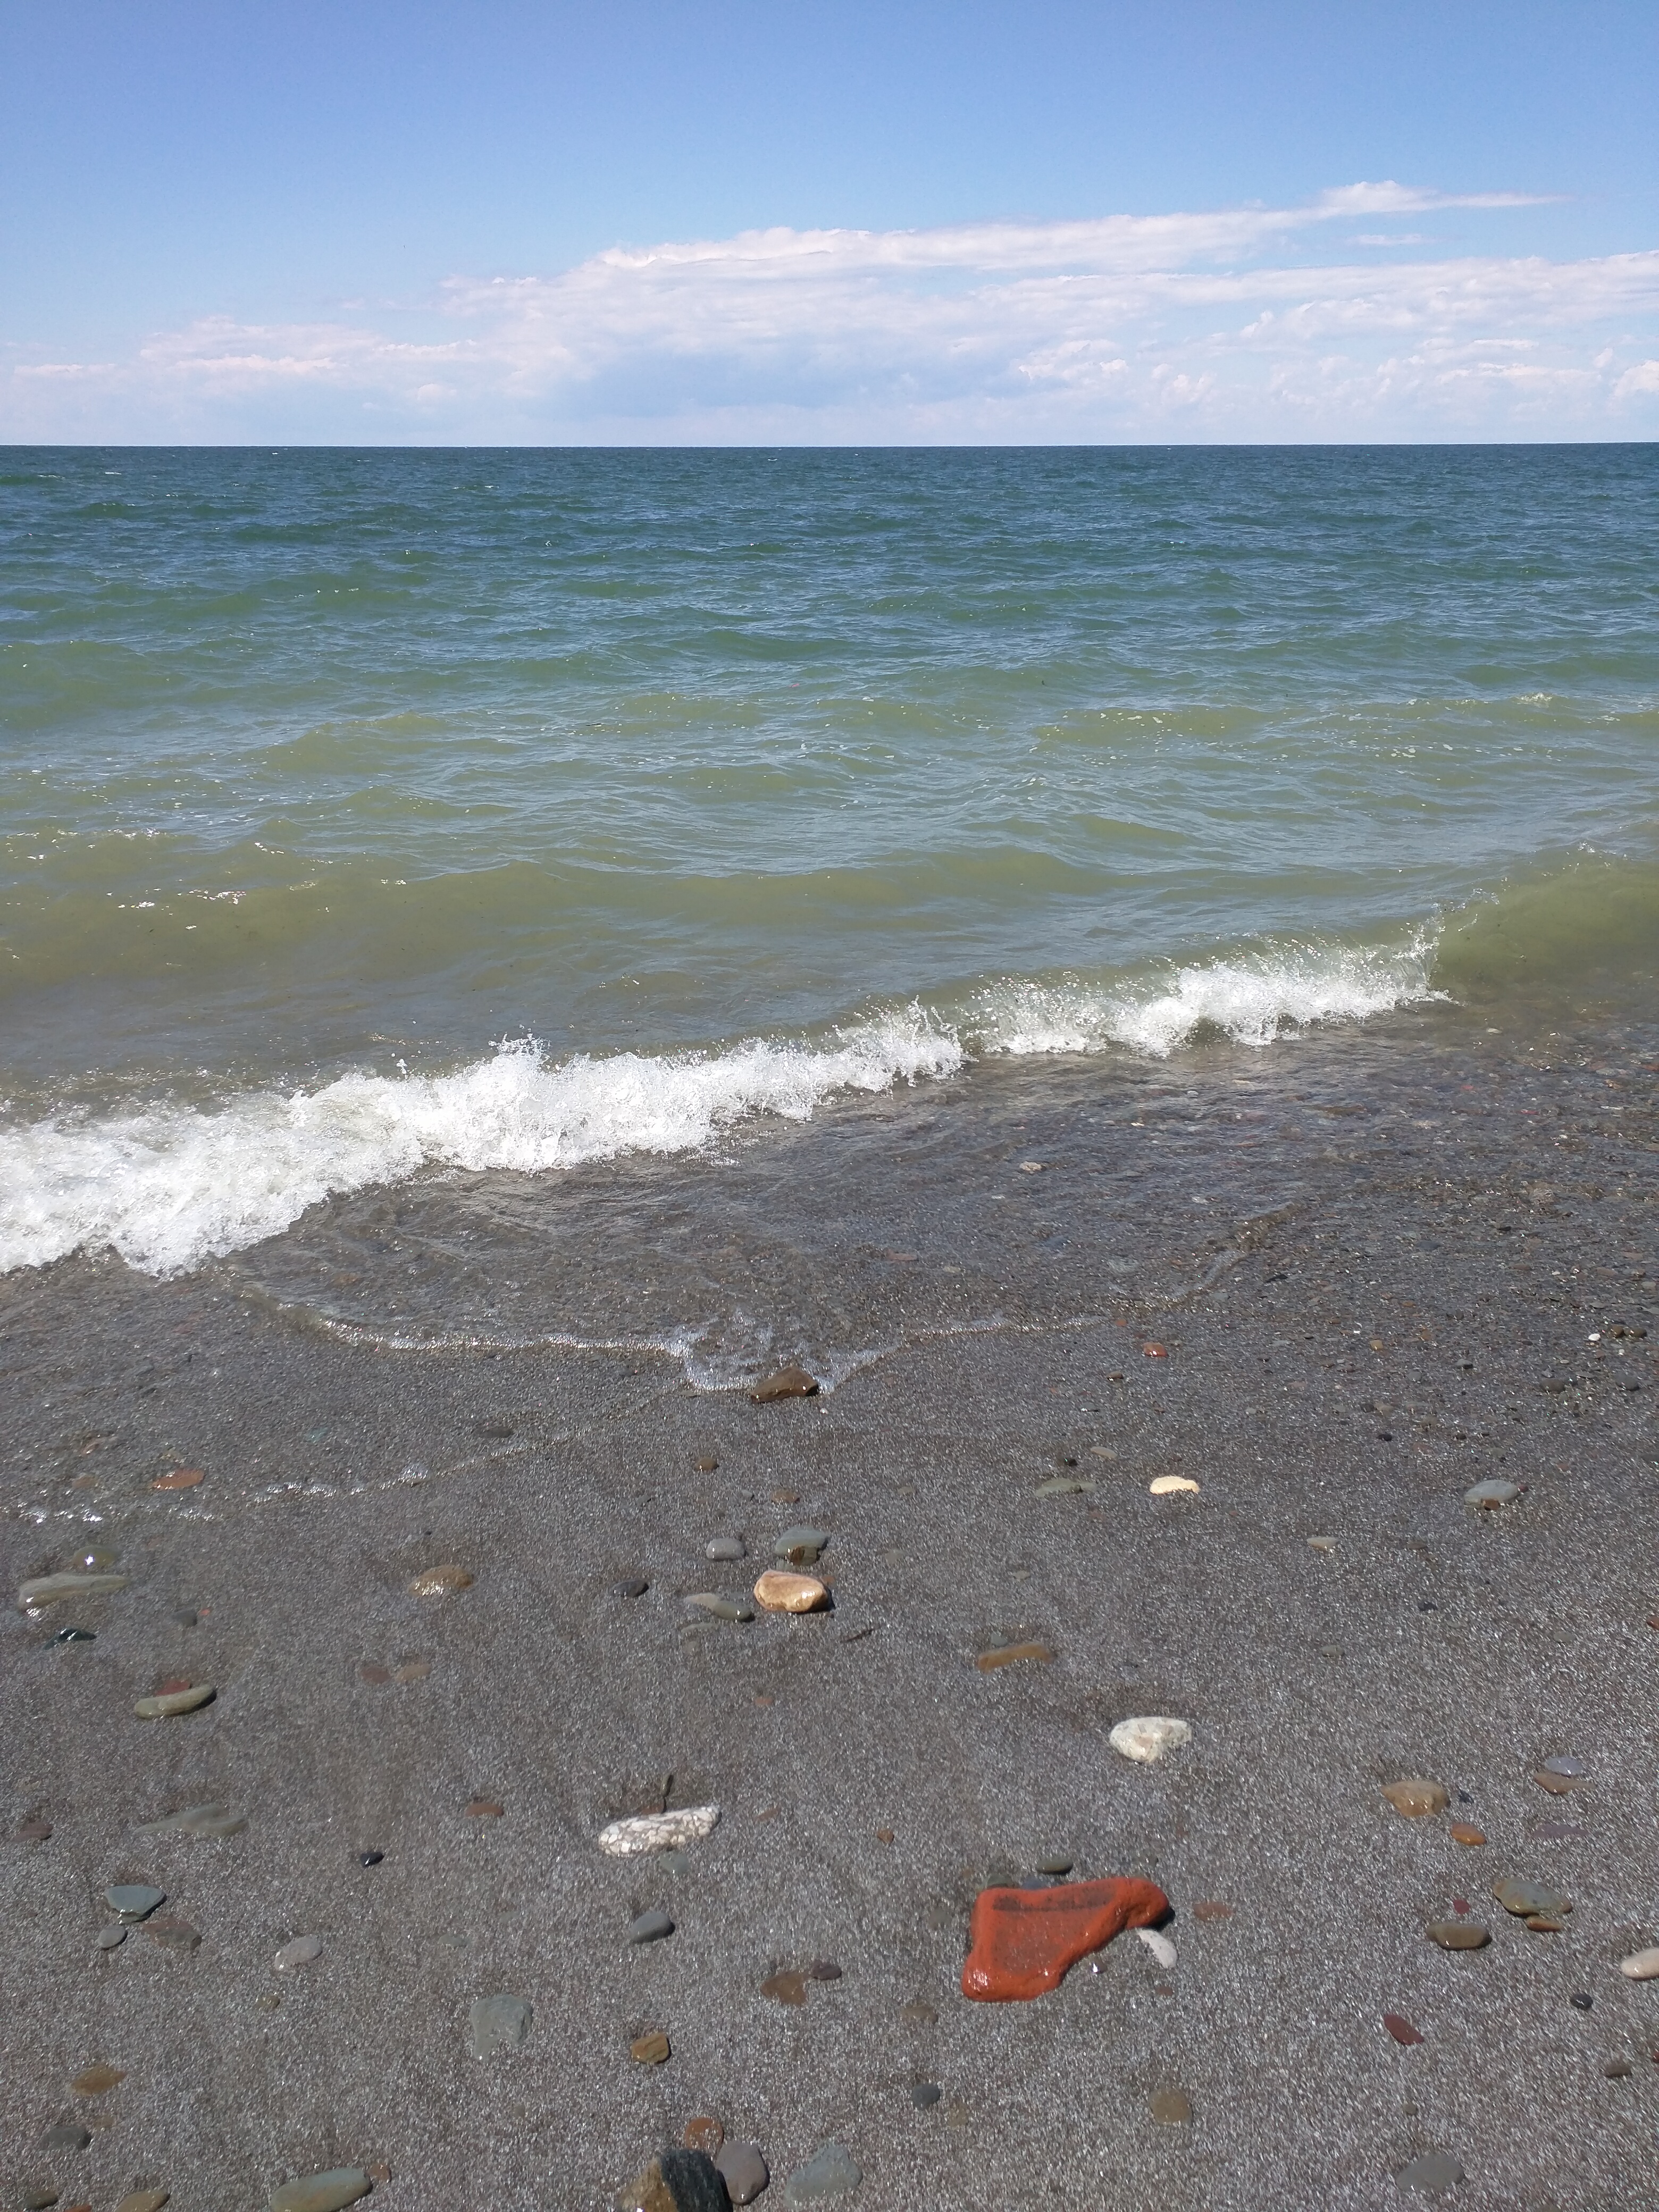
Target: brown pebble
(96,2081)
(780,1592)
(1401,2029)
(884,1835)
(1458,1935)
(1417,1796)
(708,1465)
(1619,2069)
(182,1478)
(787,1382)
(36,1830)
(784,1989)
(485,1808)
(1156,1351)
(372,1671)
(1171,2108)
(786,1498)
(1543,1923)
(650,2049)
(1009,1655)
(379,2174)
(438,1581)
(1211,1908)
(1557,1784)
(704,2134)
(1464,1831)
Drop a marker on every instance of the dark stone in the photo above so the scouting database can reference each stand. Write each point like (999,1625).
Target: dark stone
(1430,2172)
(74,1636)
(924,2095)
(1582,2000)
(636,1586)
(743,2171)
(370,1858)
(67,2135)
(650,1928)
(823,1970)
(677,2181)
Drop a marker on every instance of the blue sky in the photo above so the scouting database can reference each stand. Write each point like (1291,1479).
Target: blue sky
(730,223)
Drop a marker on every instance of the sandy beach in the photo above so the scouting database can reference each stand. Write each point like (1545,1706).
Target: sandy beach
(1451,1296)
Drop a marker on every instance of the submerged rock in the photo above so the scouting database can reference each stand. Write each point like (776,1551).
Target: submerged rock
(787,1382)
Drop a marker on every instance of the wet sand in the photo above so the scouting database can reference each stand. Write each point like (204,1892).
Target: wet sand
(1427,1307)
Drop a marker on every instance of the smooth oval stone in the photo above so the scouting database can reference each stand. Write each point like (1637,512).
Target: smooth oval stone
(1149,1735)
(1432,2171)
(1493,1493)
(651,2049)
(722,1608)
(111,1939)
(650,1928)
(299,1953)
(1641,1965)
(195,1821)
(321,2192)
(726,1547)
(1417,1796)
(1530,1901)
(134,1901)
(1055,1863)
(1168,1485)
(494,2024)
(1458,1935)
(142,2200)
(831,2171)
(49,1590)
(1572,1769)
(1063,1485)
(658,1831)
(924,2095)
(438,1581)
(67,2135)
(171,1703)
(1023,1941)
(74,1636)
(802,1546)
(743,2170)
(787,1382)
(636,1586)
(1013,1655)
(790,1592)
(97,2080)
(676,2181)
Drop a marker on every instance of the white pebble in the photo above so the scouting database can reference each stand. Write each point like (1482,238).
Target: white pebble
(1322,1543)
(1165,1485)
(299,1953)
(1149,1736)
(658,1831)
(1641,1966)
(1160,1946)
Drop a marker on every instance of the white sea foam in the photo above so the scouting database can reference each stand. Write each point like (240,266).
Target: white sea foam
(173,1185)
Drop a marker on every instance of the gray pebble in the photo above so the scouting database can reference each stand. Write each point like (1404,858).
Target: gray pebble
(134,1901)
(111,1938)
(1495,1493)
(720,1607)
(496,2024)
(67,2135)
(1433,2171)
(650,1928)
(726,1548)
(924,2095)
(636,1586)
(1573,1768)
(831,2171)
(802,1546)
(743,2170)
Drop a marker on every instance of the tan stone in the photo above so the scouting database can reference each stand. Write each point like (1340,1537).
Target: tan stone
(1011,1654)
(780,1592)
(171,1703)
(438,1581)
(650,2049)
(143,2200)
(1458,1935)
(1462,1831)
(97,2080)
(1416,1796)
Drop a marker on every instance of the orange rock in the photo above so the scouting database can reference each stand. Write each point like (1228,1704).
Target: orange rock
(1009,1654)
(1024,1940)
(785,1593)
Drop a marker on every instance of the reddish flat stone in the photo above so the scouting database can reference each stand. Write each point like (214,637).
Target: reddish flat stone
(1401,2029)
(1024,1940)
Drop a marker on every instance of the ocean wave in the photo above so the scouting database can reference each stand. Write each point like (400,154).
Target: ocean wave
(171,1186)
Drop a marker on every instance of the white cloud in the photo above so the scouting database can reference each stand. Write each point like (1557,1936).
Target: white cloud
(1223,324)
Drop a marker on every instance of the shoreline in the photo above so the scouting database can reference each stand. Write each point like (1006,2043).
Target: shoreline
(1314,1383)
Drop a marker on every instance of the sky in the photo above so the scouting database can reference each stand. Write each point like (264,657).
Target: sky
(651,224)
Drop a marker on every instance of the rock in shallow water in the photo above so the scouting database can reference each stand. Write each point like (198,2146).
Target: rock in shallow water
(719,1607)
(143,2200)
(1530,1901)
(497,2024)
(1024,1940)
(831,2171)
(726,1547)
(658,1831)
(440,1581)
(800,1546)
(215,1820)
(1149,1735)
(1491,1495)
(321,2192)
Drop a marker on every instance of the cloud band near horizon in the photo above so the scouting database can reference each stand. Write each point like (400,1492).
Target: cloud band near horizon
(1222,325)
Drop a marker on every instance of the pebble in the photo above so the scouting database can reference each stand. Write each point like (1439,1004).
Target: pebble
(1492,1494)
(1528,1900)
(1557,1784)
(182,1478)
(1573,1768)
(1168,1486)
(1160,1947)
(1431,2172)
(1641,1965)
(786,1987)
(67,2135)
(649,1928)
(1322,1543)
(676,2181)
(1063,1485)
(703,2133)
(142,2200)
(924,2095)
(658,1831)
(1055,1863)
(299,1953)
(707,1464)
(1582,2000)
(173,1934)
(197,1820)
(800,1546)
(74,1636)
(37,1829)
(651,2049)
(321,2192)
(49,1590)
(1458,1935)
(485,1808)
(111,1939)
(133,1900)
(726,1547)
(496,2024)
(743,2170)
(1149,1735)
(1171,2108)
(720,1606)
(171,1703)
(1463,1832)
(1401,2029)
(1011,1655)
(370,1858)
(790,1592)
(1155,1351)
(438,1581)
(787,1382)
(1619,2069)
(1416,1796)
(636,1586)
(831,2171)
(1023,1941)
(97,2080)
